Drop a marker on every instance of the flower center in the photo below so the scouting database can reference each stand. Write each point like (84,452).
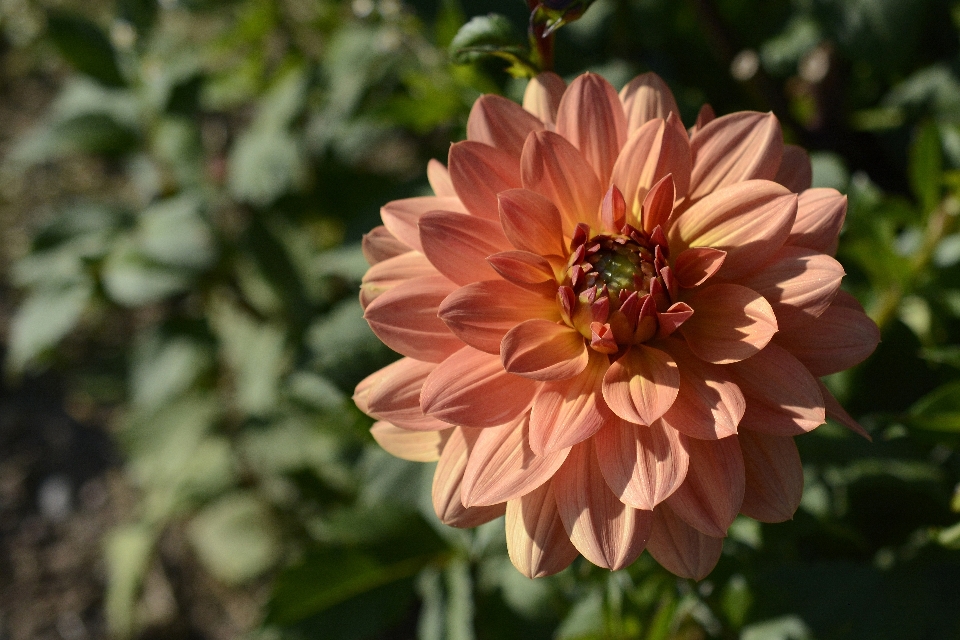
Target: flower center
(622,264)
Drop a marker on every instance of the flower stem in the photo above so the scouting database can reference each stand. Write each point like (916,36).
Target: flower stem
(542,43)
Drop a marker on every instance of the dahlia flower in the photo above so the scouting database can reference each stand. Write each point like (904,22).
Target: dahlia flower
(612,326)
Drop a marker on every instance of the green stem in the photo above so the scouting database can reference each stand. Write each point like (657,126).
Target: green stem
(542,44)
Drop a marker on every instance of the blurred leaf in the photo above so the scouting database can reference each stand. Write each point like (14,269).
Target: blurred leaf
(132,279)
(86,47)
(127,552)
(492,35)
(786,628)
(344,347)
(165,367)
(141,14)
(736,600)
(926,167)
(47,315)
(175,142)
(459,607)
(950,537)
(263,165)
(174,233)
(939,410)
(585,619)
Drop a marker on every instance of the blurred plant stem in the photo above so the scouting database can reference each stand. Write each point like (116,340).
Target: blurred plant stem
(540,38)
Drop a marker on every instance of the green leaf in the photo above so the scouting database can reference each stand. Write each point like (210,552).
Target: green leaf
(131,279)
(165,367)
(86,47)
(127,552)
(141,14)
(938,410)
(173,232)
(926,167)
(264,164)
(46,316)
(492,35)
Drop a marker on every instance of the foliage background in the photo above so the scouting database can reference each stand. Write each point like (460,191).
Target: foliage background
(183,187)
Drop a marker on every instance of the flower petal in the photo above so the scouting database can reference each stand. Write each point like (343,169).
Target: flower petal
(479,172)
(439,179)
(537,543)
(783,399)
(447,481)
(681,549)
(712,493)
(647,97)
(531,222)
(591,117)
(642,465)
(523,268)
(642,384)
(729,323)
(820,216)
(389,273)
(607,532)
(740,146)
(653,151)
(710,405)
(379,245)
(471,389)
(502,467)
(837,413)
(774,477)
(405,319)
(544,350)
(695,266)
(542,96)
(401,217)
(838,339)
(458,245)
(417,446)
(749,220)
(482,313)
(396,396)
(657,206)
(552,167)
(795,172)
(500,123)
(566,412)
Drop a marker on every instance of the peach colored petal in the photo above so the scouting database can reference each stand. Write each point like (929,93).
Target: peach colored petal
(712,493)
(531,222)
(523,268)
(647,97)
(681,549)
(566,412)
(642,384)
(607,532)
(820,216)
(847,301)
(710,405)
(651,152)
(774,477)
(837,413)
(502,467)
(591,117)
(396,396)
(642,465)
(741,146)
(838,339)
(537,543)
(782,397)
(471,389)
(553,167)
(657,206)
(544,350)
(401,217)
(458,245)
(391,272)
(380,245)
(362,390)
(695,266)
(799,283)
(482,313)
(439,179)
(479,172)
(501,123)
(447,481)
(417,446)
(542,96)
(729,323)
(749,220)
(705,116)
(795,172)
(405,319)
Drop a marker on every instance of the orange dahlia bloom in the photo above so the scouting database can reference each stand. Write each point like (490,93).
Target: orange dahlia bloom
(613,327)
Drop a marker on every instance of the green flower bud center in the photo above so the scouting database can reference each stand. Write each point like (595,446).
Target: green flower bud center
(626,266)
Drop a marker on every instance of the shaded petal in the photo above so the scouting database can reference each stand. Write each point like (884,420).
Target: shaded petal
(681,549)
(396,396)
(782,397)
(523,268)
(795,172)
(536,540)
(642,384)
(531,222)
(651,152)
(836,412)
(647,97)
(712,493)
(657,206)
(482,313)
(710,405)
(745,145)
(800,284)
(502,467)
(479,172)
(405,319)
(838,339)
(500,123)
(774,477)
(749,220)
(553,167)
(695,266)
(379,245)
(542,96)
(607,532)
(458,245)
(705,116)
(820,216)
(439,179)
(401,217)
(729,323)
(591,117)
(642,465)
(391,272)
(566,412)
(544,350)
(418,446)
(447,481)
(471,389)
